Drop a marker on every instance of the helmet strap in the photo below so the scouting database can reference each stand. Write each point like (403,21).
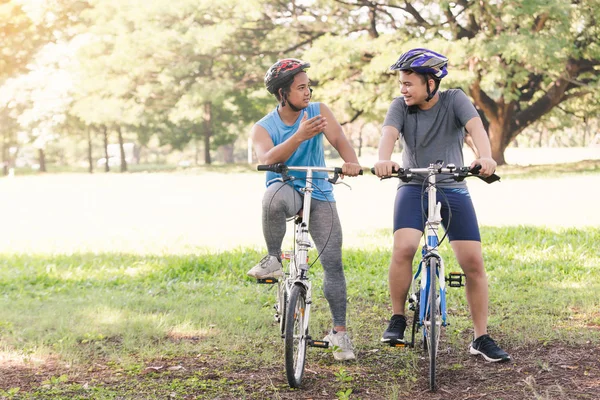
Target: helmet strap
(284,101)
(431,93)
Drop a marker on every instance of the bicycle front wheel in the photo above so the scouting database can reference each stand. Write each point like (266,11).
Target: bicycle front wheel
(282,304)
(296,332)
(431,322)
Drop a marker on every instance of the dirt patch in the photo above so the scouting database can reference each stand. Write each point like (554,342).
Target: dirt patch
(541,372)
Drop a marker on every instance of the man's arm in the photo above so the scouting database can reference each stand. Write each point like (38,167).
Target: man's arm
(335,135)
(482,144)
(268,153)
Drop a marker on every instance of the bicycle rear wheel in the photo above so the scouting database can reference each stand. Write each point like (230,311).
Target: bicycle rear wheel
(431,321)
(296,332)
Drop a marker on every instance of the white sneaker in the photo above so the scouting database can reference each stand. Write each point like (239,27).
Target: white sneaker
(341,344)
(268,267)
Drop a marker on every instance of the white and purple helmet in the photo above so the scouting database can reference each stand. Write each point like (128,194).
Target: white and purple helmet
(422,61)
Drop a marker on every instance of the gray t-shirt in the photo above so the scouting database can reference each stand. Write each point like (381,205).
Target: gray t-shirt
(434,134)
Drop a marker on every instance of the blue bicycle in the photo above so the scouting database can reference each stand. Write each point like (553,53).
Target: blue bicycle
(428,289)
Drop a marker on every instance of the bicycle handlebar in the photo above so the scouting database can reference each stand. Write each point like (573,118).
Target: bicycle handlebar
(281,168)
(457,174)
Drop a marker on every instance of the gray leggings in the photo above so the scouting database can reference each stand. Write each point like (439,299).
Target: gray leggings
(280,203)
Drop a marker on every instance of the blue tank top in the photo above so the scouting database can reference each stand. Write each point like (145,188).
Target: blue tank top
(309,153)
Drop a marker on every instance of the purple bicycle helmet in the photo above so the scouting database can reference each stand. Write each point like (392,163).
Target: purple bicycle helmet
(422,61)
(283,71)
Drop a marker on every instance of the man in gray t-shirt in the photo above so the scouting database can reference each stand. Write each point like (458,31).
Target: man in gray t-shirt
(431,125)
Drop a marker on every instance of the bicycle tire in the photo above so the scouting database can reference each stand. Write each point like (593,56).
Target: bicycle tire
(282,297)
(415,321)
(296,332)
(432,334)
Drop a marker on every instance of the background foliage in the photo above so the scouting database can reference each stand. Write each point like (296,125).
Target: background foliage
(187,75)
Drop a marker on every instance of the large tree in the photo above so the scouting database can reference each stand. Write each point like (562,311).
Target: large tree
(517,59)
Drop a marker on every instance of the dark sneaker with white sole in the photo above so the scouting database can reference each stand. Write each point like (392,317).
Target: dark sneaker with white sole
(484,345)
(395,330)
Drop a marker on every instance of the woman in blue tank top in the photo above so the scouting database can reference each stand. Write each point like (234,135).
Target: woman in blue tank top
(293,134)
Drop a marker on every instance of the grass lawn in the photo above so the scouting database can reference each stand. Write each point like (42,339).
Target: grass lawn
(107,317)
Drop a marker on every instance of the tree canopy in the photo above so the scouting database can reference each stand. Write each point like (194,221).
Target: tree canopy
(191,70)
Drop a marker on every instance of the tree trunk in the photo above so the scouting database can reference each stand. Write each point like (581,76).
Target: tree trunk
(122,150)
(207,132)
(137,152)
(497,142)
(227,152)
(360,139)
(89,151)
(42,160)
(105,134)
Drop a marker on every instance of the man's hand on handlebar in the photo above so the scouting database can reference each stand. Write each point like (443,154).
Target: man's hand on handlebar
(351,169)
(385,168)
(488,166)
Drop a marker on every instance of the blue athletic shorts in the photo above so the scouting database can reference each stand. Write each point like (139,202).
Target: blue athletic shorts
(408,212)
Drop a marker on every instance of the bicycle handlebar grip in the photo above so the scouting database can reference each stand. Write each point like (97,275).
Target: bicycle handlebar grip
(338,170)
(279,167)
(475,170)
(394,171)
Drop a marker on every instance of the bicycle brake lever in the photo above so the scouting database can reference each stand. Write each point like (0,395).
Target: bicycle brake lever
(285,177)
(333,180)
(343,183)
(489,179)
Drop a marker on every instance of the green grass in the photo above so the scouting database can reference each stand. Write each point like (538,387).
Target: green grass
(124,311)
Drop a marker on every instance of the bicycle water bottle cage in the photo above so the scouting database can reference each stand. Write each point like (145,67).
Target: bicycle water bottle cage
(456,279)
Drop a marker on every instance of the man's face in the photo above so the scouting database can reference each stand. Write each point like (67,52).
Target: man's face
(413,88)
(299,94)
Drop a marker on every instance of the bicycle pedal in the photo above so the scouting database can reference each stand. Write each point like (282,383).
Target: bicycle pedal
(318,343)
(267,281)
(394,343)
(456,279)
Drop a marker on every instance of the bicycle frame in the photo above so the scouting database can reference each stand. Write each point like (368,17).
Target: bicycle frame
(430,250)
(295,291)
(298,267)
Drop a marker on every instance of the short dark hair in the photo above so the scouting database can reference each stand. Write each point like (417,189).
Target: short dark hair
(285,88)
